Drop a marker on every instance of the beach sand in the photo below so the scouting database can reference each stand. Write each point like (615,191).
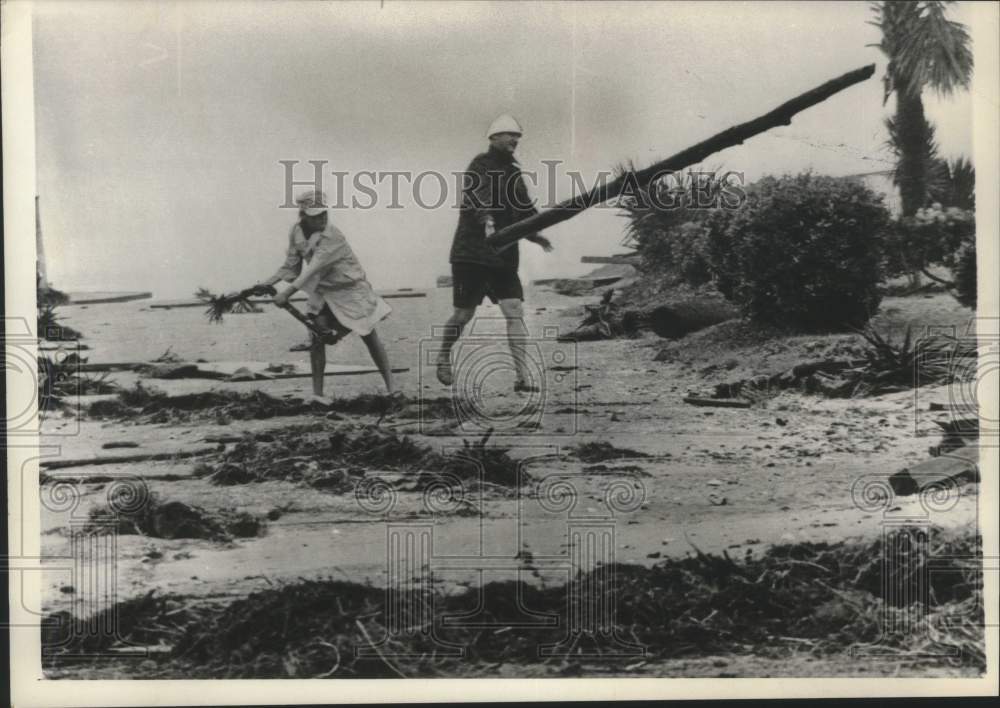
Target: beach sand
(718,480)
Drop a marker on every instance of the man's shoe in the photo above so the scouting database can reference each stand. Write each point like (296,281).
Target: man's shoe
(319,400)
(444,372)
(301,346)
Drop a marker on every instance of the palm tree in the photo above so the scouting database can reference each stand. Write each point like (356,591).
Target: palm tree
(925,50)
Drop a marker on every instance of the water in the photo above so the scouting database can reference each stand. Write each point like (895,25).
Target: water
(132,332)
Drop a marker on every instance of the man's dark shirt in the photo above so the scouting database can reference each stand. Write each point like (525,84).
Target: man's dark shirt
(493,187)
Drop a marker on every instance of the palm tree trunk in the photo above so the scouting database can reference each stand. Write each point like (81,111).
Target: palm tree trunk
(915,144)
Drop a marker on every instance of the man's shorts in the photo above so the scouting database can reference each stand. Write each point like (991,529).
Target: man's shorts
(472,281)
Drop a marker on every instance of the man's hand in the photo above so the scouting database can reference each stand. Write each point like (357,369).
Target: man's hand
(490,228)
(543,242)
(282,299)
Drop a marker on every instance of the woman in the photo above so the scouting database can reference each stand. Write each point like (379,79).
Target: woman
(340,297)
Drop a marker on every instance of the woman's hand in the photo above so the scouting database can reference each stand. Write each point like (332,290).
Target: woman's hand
(282,299)
(261,289)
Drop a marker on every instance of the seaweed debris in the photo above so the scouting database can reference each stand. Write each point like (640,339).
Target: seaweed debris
(817,599)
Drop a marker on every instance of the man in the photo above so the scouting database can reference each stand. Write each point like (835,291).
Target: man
(493,196)
(340,297)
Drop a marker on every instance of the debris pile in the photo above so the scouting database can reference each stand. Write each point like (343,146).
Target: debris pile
(884,367)
(672,320)
(144,404)
(336,460)
(174,519)
(602,451)
(821,599)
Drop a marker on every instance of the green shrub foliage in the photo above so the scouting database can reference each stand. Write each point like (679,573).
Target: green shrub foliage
(802,251)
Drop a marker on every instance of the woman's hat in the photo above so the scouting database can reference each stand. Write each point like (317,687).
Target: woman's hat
(312,203)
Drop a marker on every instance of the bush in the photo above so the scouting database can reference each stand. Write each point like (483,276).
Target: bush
(936,235)
(964,274)
(802,252)
(666,224)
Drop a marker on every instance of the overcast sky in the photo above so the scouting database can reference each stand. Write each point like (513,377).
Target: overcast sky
(160,126)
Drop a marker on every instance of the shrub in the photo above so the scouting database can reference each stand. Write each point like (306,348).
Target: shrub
(964,274)
(803,252)
(666,224)
(936,235)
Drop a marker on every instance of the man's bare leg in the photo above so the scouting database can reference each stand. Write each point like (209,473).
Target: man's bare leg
(381,359)
(452,331)
(517,334)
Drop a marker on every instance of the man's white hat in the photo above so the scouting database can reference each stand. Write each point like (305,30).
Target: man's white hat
(312,203)
(504,124)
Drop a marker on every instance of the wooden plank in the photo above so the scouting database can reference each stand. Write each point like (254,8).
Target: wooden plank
(97,298)
(69,346)
(228,368)
(221,369)
(115,459)
(350,371)
(618,259)
(113,366)
(960,465)
(718,402)
(386,294)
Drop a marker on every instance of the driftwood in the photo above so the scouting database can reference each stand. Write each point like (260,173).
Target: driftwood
(718,402)
(673,320)
(782,115)
(678,319)
(122,459)
(961,465)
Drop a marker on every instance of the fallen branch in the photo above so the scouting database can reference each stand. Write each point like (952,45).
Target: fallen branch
(718,402)
(782,115)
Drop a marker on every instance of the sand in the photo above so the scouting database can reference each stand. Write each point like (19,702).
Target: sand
(788,469)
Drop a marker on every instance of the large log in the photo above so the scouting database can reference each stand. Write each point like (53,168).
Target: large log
(678,319)
(782,115)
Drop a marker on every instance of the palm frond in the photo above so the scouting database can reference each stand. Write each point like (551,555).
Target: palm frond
(963,184)
(220,305)
(945,49)
(923,46)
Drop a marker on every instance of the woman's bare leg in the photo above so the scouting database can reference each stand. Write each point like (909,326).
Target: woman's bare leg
(317,355)
(381,359)
(317,360)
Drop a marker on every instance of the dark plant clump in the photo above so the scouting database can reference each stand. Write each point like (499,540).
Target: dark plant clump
(802,251)
(51,328)
(151,405)
(666,224)
(822,599)
(337,460)
(603,451)
(173,519)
